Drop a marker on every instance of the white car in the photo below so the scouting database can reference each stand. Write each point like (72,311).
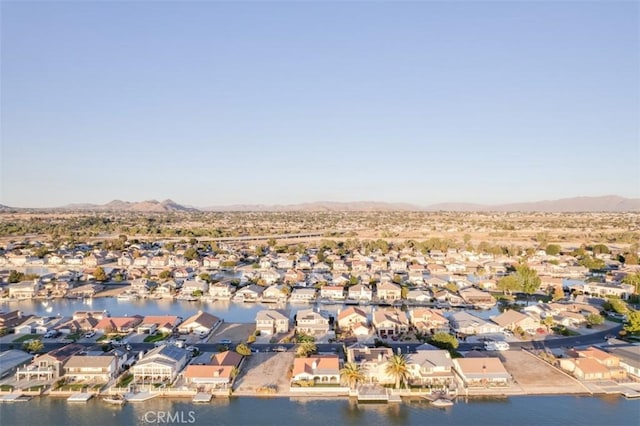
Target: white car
(90,334)
(496,346)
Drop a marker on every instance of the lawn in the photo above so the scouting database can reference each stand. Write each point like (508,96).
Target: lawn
(156,338)
(124,382)
(6,388)
(27,337)
(74,336)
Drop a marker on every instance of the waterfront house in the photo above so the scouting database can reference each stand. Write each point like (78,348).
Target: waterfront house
(418,296)
(161,364)
(87,290)
(511,320)
(388,291)
(117,324)
(24,289)
(276,293)
(334,292)
(430,368)
(361,293)
(167,289)
(429,320)
(80,325)
(166,324)
(293,276)
(271,322)
(593,364)
(312,323)
(303,295)
(390,322)
(96,369)
(250,293)
(142,286)
(482,371)
(320,369)
(209,376)
(477,298)
(9,320)
(202,323)
(352,317)
(445,296)
(372,362)
(463,323)
(195,287)
(221,290)
(50,365)
(629,358)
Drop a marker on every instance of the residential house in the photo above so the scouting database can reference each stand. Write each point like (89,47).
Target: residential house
(117,324)
(593,364)
(87,290)
(293,276)
(511,320)
(419,296)
(351,318)
(24,289)
(221,290)
(218,374)
(390,322)
(474,372)
(167,289)
(429,320)
(142,286)
(250,293)
(303,295)
(389,291)
(321,369)
(271,322)
(270,276)
(477,298)
(49,366)
(629,356)
(340,266)
(9,320)
(166,324)
(161,364)
(334,292)
(430,368)
(96,369)
(194,287)
(312,323)
(623,291)
(398,266)
(360,292)
(372,362)
(202,323)
(463,323)
(276,293)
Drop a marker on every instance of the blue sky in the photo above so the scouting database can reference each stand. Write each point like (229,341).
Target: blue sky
(212,103)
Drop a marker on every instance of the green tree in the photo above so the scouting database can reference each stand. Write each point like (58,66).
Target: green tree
(164,275)
(600,249)
(404,291)
(508,284)
(558,293)
(397,368)
(306,348)
(15,276)
(205,277)
(444,341)
(528,279)
(594,319)
(616,305)
(191,253)
(634,280)
(352,374)
(99,274)
(633,322)
(243,349)
(548,322)
(33,346)
(553,249)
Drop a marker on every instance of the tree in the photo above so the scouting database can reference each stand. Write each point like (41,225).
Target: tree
(528,279)
(616,305)
(99,274)
(553,249)
(15,276)
(633,322)
(397,367)
(600,249)
(634,280)
(306,348)
(243,349)
(508,284)
(558,293)
(33,346)
(404,291)
(205,277)
(352,373)
(164,275)
(594,319)
(548,322)
(191,253)
(444,341)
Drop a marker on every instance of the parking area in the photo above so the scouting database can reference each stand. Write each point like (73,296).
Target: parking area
(233,331)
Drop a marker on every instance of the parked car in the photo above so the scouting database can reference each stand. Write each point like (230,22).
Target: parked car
(90,334)
(225,342)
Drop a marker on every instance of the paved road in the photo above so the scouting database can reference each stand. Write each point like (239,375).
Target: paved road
(583,340)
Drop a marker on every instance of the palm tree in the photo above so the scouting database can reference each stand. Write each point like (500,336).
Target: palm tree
(306,348)
(352,374)
(397,367)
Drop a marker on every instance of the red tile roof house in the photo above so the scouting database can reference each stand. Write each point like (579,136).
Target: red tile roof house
(117,324)
(351,317)
(320,369)
(593,364)
(163,323)
(201,323)
(429,320)
(218,374)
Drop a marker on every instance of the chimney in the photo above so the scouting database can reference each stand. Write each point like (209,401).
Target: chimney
(399,351)
(379,356)
(314,365)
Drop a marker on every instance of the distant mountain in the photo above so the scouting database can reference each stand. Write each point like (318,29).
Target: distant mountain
(4,208)
(150,206)
(607,203)
(320,206)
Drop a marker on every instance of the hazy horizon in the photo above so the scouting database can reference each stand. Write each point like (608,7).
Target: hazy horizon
(220,103)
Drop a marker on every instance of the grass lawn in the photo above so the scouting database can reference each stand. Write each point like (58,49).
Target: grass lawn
(35,388)
(74,336)
(6,388)
(27,337)
(124,382)
(156,338)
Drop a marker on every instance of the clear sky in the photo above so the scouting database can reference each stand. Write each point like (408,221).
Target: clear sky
(212,103)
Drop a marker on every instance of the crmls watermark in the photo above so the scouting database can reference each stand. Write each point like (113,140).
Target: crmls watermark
(169,417)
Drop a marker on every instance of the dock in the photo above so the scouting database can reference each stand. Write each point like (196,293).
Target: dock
(80,397)
(372,393)
(14,397)
(202,398)
(142,396)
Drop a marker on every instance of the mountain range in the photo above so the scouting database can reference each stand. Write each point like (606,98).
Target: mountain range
(607,203)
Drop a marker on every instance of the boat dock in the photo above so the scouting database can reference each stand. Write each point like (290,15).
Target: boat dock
(14,397)
(80,397)
(372,393)
(142,396)
(202,398)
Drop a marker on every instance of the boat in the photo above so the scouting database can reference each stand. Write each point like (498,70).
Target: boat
(115,399)
(442,402)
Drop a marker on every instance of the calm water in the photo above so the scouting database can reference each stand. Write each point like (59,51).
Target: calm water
(552,410)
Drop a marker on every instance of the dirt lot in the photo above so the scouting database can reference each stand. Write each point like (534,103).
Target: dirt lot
(265,369)
(536,376)
(236,332)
